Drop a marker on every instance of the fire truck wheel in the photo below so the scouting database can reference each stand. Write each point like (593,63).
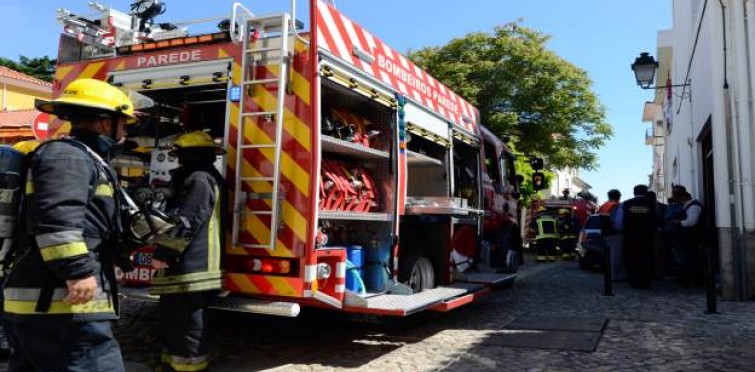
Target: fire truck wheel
(512,262)
(419,273)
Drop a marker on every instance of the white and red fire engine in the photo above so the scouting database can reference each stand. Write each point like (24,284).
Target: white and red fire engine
(357,181)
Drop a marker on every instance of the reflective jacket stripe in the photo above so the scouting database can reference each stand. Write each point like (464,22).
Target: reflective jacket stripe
(59,307)
(32,294)
(186,278)
(61,251)
(186,287)
(213,235)
(104,189)
(541,231)
(185,364)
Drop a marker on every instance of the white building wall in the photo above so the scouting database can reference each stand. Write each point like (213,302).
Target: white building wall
(731,116)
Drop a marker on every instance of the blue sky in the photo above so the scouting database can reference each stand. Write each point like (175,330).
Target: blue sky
(600,36)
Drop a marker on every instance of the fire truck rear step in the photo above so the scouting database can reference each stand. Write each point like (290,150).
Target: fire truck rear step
(490,279)
(402,305)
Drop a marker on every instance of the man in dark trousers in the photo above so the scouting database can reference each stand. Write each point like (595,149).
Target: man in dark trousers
(60,294)
(692,235)
(188,257)
(639,232)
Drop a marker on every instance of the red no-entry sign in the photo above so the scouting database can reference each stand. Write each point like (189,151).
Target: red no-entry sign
(41,122)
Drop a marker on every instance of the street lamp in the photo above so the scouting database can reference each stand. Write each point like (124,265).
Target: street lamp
(644,68)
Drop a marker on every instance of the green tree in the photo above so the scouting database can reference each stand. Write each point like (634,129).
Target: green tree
(42,68)
(523,90)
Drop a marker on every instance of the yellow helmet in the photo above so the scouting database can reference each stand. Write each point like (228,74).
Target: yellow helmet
(92,94)
(542,209)
(196,139)
(564,211)
(26,147)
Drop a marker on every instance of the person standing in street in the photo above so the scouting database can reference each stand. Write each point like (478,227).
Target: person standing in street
(567,231)
(60,295)
(640,222)
(660,251)
(692,228)
(188,256)
(610,215)
(582,208)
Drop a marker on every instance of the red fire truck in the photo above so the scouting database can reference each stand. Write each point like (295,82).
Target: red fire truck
(357,181)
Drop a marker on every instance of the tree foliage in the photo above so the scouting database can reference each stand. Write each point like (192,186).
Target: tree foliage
(42,68)
(525,91)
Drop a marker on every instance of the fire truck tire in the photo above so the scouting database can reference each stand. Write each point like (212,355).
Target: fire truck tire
(512,262)
(418,273)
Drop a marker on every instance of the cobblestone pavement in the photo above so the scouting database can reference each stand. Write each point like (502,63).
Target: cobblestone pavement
(663,329)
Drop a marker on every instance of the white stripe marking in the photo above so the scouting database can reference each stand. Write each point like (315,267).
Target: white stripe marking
(340,288)
(343,51)
(322,41)
(310,273)
(349,26)
(341,270)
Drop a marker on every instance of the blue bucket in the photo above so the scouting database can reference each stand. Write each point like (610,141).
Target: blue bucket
(354,275)
(376,276)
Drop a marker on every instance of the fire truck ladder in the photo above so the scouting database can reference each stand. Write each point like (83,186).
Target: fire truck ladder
(275,28)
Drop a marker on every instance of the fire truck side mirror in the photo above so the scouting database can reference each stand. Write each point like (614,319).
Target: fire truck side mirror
(538,181)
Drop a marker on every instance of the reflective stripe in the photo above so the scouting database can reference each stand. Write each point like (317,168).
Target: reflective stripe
(178,363)
(58,252)
(104,189)
(32,294)
(59,307)
(58,238)
(187,287)
(29,187)
(185,278)
(213,235)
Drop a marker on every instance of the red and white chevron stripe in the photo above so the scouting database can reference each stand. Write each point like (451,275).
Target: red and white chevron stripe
(346,40)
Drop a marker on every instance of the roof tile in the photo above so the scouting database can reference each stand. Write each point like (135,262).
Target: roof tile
(13,74)
(17,119)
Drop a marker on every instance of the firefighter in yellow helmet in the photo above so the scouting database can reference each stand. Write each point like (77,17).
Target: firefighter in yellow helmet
(188,257)
(60,296)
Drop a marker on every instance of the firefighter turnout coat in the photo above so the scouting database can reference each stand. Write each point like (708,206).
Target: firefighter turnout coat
(192,250)
(71,220)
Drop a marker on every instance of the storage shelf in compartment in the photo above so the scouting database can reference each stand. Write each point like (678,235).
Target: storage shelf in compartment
(417,158)
(341,147)
(420,210)
(355,216)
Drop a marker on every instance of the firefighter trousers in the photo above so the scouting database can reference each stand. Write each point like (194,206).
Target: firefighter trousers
(53,345)
(183,331)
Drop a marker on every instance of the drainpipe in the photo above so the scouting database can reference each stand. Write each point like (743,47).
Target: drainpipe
(741,92)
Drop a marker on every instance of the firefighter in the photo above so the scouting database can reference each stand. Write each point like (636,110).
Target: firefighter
(547,235)
(639,229)
(567,231)
(188,257)
(60,296)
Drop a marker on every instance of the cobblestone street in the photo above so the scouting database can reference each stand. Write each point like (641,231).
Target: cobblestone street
(663,329)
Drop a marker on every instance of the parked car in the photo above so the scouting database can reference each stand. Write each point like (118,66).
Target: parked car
(590,244)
